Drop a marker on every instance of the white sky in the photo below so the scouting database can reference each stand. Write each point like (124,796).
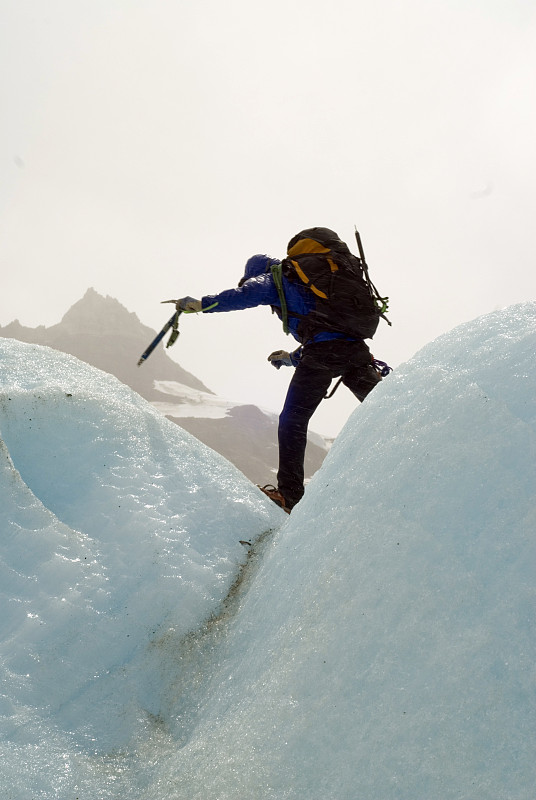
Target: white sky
(148,148)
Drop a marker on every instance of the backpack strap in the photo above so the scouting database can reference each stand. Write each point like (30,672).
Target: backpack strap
(308,247)
(277,275)
(305,279)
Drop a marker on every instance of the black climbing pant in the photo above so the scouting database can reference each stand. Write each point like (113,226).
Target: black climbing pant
(319,364)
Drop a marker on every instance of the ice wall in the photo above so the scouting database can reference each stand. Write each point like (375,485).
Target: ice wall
(119,534)
(386,649)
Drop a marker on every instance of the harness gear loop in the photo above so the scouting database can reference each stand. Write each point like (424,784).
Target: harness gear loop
(381,368)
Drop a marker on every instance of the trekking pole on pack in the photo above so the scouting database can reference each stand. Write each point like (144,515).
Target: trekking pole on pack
(381,302)
(173,323)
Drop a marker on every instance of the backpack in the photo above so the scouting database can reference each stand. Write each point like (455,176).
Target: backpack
(346,301)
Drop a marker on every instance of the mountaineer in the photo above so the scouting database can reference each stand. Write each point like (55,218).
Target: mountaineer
(325,299)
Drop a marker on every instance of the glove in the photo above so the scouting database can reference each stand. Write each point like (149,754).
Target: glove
(189,304)
(280,358)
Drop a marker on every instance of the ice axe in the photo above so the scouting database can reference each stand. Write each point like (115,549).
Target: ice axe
(173,324)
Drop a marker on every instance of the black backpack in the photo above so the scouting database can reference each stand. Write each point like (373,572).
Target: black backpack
(346,300)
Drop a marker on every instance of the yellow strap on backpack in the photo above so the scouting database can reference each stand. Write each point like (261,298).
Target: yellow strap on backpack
(306,246)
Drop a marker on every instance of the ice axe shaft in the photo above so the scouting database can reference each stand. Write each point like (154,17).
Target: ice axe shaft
(172,323)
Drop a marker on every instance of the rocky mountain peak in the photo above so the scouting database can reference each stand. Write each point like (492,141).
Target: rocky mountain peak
(94,312)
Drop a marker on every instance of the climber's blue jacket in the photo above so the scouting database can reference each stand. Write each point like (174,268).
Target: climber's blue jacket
(257,288)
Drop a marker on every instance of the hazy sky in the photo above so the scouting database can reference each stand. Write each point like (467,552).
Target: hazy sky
(148,147)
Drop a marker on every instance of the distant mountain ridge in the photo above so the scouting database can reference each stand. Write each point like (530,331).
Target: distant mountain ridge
(102,332)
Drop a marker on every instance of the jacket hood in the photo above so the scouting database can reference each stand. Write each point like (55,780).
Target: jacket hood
(257,265)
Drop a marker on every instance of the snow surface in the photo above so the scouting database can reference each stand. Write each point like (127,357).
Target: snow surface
(186,402)
(377,644)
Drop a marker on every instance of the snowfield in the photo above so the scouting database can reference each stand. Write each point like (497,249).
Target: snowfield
(377,644)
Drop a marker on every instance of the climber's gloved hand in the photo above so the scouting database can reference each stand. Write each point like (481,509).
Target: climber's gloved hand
(189,304)
(280,358)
